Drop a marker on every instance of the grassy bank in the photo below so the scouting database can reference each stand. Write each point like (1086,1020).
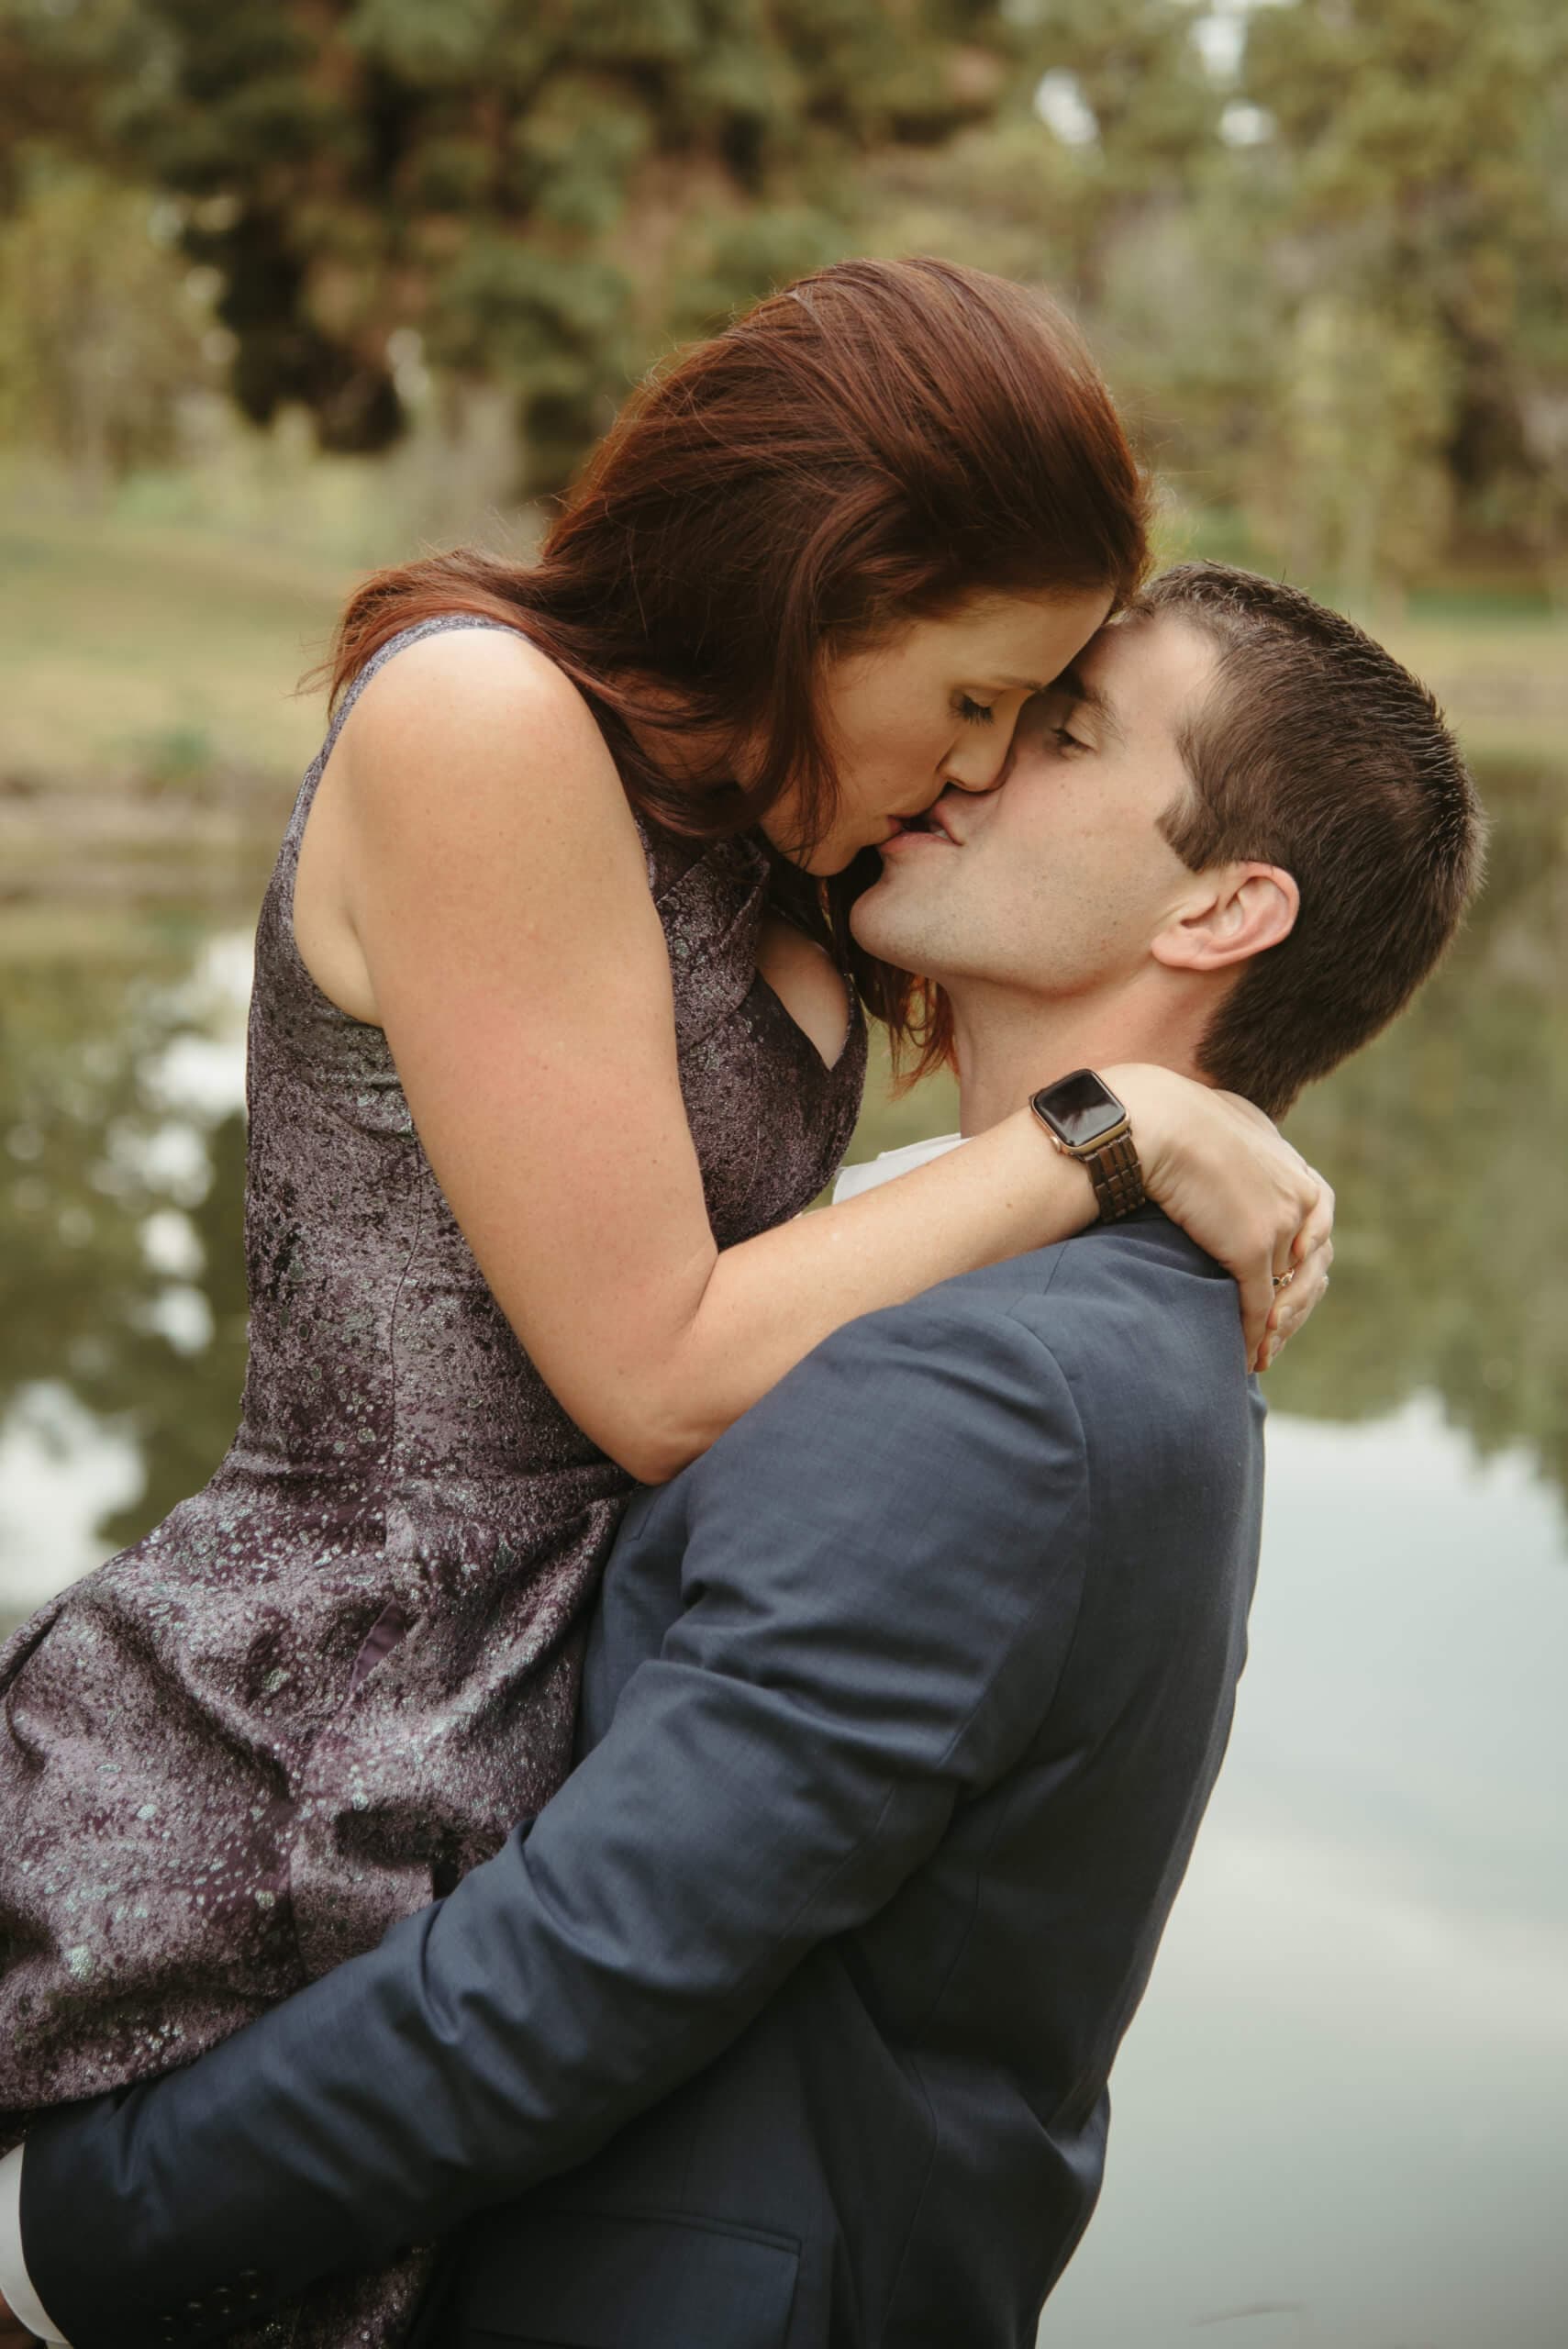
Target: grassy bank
(127,651)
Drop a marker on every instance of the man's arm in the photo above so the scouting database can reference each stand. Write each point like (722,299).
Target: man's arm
(881,1574)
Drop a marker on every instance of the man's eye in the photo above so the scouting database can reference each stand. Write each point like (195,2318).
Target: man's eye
(974,713)
(1065,742)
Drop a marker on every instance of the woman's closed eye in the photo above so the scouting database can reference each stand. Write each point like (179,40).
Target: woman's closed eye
(973,713)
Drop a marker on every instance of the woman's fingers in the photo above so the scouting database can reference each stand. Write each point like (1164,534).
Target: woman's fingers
(1296,1305)
(1317,1226)
(1255,1282)
(1299,1271)
(1282,1280)
(1309,1278)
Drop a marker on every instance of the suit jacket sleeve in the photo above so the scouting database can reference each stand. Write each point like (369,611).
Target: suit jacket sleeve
(881,1577)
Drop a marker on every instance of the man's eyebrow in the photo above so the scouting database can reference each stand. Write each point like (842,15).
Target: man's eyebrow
(1084,695)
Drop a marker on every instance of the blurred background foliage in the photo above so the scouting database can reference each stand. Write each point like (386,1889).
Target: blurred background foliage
(285,291)
(1319,245)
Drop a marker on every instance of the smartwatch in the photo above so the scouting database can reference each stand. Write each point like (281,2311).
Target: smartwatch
(1087,1121)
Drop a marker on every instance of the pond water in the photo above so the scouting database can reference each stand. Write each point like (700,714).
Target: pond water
(1342,2113)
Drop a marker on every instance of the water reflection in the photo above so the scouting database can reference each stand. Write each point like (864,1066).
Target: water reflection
(1339,2114)
(122,1149)
(1445,1141)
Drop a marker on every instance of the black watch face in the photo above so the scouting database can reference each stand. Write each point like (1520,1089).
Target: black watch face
(1081,1108)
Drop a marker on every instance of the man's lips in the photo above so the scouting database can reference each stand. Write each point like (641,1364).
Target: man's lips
(930,824)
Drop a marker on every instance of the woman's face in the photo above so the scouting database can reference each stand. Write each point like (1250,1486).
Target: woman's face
(933,706)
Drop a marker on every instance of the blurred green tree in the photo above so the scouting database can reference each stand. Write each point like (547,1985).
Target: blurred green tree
(102,330)
(1415,158)
(1352,487)
(1319,245)
(535,188)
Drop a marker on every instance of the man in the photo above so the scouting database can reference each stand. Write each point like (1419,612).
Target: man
(788,2022)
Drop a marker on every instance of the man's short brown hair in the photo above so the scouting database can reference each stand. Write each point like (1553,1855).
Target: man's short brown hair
(1315,750)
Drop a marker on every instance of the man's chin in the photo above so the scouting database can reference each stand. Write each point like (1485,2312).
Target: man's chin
(874,926)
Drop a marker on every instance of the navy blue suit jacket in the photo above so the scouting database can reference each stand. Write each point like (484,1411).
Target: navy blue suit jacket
(788,2022)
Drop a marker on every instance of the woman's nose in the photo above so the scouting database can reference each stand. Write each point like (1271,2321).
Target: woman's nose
(979,766)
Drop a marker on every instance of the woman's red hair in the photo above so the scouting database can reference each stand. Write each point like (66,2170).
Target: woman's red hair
(875,445)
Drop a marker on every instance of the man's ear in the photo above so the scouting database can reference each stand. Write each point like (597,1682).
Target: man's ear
(1237,911)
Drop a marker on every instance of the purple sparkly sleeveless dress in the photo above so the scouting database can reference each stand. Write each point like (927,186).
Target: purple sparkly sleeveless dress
(328,1684)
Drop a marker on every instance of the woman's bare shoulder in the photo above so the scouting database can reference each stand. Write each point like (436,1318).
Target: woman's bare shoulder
(469,780)
(486,694)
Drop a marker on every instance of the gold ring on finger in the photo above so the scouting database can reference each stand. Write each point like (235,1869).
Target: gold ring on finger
(1283,1280)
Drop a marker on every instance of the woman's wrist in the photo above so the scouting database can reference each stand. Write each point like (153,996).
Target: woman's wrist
(1069,1202)
(1155,1100)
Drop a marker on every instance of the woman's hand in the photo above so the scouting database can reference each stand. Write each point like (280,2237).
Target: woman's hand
(1223,1171)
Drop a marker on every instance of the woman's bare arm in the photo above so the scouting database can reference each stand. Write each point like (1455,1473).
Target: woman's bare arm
(472,880)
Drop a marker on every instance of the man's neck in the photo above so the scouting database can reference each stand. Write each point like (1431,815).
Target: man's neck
(1008,1046)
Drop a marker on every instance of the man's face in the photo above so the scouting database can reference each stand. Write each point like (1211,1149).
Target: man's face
(1056,882)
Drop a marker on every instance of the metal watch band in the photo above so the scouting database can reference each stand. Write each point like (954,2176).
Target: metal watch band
(1116,1176)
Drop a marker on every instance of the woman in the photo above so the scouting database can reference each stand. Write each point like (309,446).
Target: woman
(555,1031)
